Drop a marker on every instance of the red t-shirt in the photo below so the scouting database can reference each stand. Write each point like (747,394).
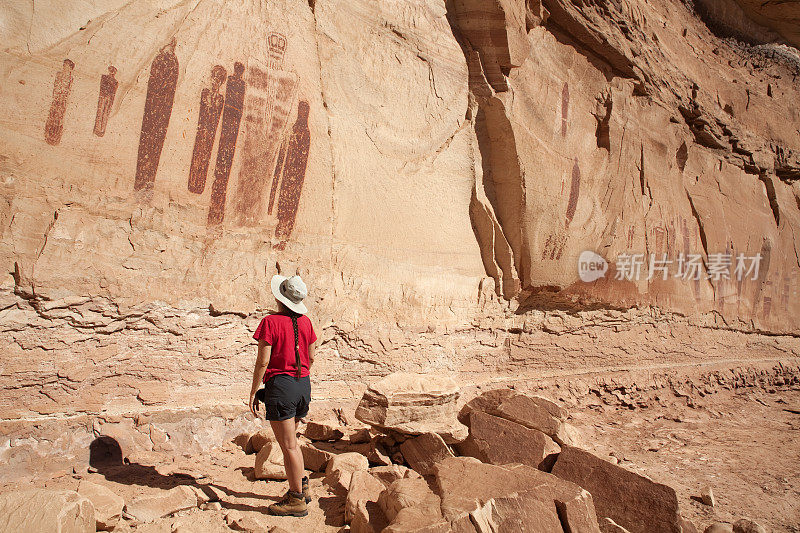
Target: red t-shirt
(277,331)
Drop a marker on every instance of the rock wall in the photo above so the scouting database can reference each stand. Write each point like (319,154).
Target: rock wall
(436,168)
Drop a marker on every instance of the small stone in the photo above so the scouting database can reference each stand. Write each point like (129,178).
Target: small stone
(258,440)
(707,496)
(323,432)
(269,462)
(241,441)
(212,506)
(745,525)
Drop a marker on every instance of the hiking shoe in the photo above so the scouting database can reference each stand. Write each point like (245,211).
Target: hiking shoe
(292,504)
(306,492)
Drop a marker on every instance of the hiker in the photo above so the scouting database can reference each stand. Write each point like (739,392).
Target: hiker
(285,355)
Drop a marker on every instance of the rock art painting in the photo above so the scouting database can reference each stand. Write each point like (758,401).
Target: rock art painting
(157,111)
(564,108)
(271,95)
(229,132)
(574,190)
(211,103)
(62,86)
(108,90)
(294,172)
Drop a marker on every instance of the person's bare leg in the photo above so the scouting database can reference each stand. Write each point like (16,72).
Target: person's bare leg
(286,433)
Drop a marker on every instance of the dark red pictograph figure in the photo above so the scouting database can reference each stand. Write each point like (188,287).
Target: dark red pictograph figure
(276,177)
(229,131)
(574,190)
(294,172)
(108,90)
(61,88)
(157,110)
(564,108)
(211,102)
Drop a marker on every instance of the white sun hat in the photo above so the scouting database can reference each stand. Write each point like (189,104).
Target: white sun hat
(290,291)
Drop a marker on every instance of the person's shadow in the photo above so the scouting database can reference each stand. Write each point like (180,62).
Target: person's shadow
(105,456)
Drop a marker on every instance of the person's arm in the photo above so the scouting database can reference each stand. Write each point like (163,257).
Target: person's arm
(312,348)
(262,359)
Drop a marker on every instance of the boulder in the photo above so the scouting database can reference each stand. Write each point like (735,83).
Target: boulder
(368,518)
(46,511)
(423,451)
(378,453)
(634,502)
(164,504)
(107,504)
(410,505)
(339,471)
(466,485)
(314,458)
(258,440)
(389,474)
(324,432)
(745,525)
(238,521)
(363,488)
(498,441)
(687,526)
(533,412)
(413,404)
(360,436)
(269,462)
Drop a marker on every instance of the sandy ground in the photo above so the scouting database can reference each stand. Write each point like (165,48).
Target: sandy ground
(744,445)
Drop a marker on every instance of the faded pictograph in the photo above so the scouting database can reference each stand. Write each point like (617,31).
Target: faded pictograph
(211,102)
(564,109)
(108,90)
(157,111)
(574,191)
(62,86)
(229,132)
(270,102)
(294,172)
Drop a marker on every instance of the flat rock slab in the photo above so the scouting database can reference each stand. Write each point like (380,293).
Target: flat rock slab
(498,441)
(107,504)
(46,511)
(636,503)
(466,485)
(413,404)
(165,504)
(269,462)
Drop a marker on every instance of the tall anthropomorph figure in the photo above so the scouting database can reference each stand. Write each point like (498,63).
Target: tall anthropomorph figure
(108,90)
(211,102)
(157,110)
(229,131)
(294,172)
(62,85)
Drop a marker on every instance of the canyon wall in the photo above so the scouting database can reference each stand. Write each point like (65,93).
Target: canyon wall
(435,168)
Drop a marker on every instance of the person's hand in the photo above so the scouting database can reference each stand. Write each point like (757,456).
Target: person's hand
(253,404)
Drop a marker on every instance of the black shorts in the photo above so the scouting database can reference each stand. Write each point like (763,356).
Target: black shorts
(287,397)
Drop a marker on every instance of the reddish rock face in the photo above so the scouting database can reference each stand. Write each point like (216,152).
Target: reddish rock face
(632,501)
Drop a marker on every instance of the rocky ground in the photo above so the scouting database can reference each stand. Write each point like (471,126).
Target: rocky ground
(739,441)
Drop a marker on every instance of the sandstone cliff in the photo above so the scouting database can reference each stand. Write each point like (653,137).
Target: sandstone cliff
(436,167)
